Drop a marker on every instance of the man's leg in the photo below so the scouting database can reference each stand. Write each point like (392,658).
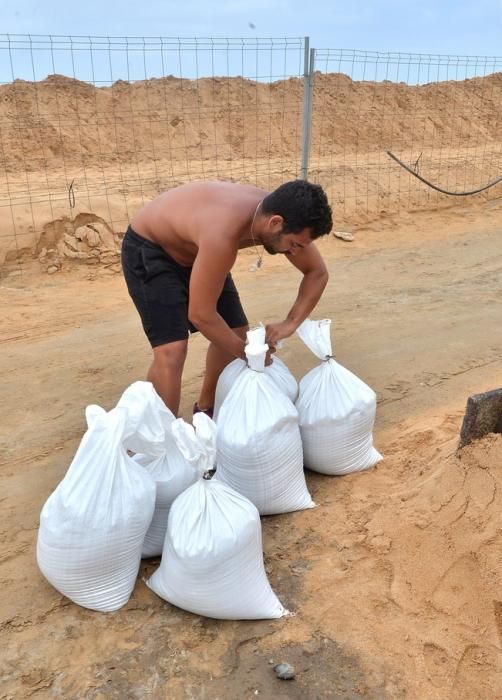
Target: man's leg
(216,361)
(166,370)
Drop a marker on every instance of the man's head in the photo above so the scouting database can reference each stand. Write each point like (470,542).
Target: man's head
(292,216)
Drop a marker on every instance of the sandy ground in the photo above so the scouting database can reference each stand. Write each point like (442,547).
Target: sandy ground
(394,577)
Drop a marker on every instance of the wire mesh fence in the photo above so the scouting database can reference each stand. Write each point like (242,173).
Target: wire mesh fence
(440,115)
(93,127)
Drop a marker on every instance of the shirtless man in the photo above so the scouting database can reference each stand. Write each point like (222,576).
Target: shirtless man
(177,256)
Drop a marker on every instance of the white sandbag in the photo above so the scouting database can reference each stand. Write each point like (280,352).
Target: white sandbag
(171,472)
(212,563)
(93,525)
(172,475)
(336,410)
(277,371)
(148,418)
(259,448)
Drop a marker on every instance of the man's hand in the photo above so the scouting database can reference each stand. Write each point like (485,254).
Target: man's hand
(277,331)
(268,357)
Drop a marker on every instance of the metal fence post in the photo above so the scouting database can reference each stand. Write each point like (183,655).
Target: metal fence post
(308,76)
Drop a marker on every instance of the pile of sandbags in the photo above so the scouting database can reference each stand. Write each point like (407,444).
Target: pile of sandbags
(144,483)
(112,508)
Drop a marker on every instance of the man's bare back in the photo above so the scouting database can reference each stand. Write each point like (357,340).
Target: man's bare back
(178,219)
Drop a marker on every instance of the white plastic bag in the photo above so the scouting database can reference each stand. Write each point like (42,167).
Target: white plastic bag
(212,563)
(277,371)
(336,410)
(259,444)
(147,418)
(93,525)
(171,472)
(172,476)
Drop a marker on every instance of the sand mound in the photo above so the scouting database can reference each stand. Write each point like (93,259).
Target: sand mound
(420,557)
(61,121)
(72,150)
(448,545)
(447,555)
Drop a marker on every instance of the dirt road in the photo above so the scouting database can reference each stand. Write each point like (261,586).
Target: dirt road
(394,577)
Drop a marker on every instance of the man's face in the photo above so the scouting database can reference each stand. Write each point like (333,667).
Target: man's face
(288,243)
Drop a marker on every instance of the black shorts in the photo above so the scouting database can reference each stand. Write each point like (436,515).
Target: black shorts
(159,287)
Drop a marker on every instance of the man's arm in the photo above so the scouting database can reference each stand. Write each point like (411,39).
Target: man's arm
(212,264)
(315,277)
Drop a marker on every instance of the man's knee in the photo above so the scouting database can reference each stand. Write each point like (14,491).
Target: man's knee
(170,355)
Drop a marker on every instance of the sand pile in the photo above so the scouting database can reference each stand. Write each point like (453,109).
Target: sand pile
(61,120)
(71,150)
(439,540)
(416,547)
(87,238)
(447,546)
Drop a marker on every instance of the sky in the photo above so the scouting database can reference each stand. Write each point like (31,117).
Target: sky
(465,27)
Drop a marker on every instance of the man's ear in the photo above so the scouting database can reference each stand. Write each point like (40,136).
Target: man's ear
(275,223)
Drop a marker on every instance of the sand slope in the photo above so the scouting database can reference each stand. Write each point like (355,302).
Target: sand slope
(74,154)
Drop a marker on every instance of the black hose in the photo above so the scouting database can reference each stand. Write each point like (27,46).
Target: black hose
(440,189)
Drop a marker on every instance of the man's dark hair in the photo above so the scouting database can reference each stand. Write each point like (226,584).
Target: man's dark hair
(302,205)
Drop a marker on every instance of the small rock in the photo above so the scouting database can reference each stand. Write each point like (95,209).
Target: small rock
(52,269)
(298,570)
(92,238)
(344,235)
(70,241)
(284,671)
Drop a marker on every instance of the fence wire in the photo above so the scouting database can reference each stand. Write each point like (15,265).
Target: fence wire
(99,126)
(438,114)
(91,128)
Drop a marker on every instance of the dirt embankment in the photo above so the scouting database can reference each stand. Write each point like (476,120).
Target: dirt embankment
(75,155)
(61,120)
